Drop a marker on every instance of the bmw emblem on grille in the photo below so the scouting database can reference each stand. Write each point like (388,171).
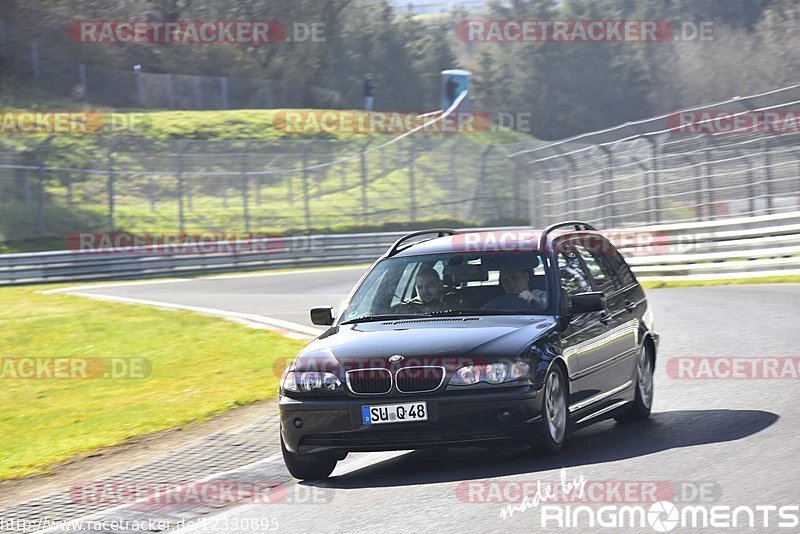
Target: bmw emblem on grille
(396,358)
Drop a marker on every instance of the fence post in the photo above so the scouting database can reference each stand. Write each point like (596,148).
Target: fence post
(700,192)
(198,93)
(608,188)
(454,175)
(140,87)
(768,176)
(179,171)
(27,193)
(412,182)
(83,81)
(110,175)
(751,187)
(364,203)
(481,177)
(532,203)
(517,190)
(223,89)
(37,73)
(655,192)
(245,176)
(171,91)
(306,200)
(40,224)
(545,194)
(708,171)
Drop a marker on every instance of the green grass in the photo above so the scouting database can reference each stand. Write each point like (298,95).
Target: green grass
(148,203)
(249,124)
(201,366)
(788,279)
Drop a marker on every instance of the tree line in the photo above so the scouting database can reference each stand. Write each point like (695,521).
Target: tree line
(566,88)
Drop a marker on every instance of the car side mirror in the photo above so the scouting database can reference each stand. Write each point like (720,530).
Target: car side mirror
(591,301)
(322,316)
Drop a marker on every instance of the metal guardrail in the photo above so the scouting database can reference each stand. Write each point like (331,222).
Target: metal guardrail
(732,248)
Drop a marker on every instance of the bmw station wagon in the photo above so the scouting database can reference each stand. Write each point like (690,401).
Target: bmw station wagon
(460,339)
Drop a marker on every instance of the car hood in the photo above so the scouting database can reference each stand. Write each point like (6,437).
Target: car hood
(448,341)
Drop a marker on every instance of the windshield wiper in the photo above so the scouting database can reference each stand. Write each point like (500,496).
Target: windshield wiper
(445,313)
(382,317)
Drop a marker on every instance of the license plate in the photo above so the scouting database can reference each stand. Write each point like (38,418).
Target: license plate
(394,413)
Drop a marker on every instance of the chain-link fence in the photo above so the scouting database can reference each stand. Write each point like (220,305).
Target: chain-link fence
(61,184)
(136,88)
(735,158)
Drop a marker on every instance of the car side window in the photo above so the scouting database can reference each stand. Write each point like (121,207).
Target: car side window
(573,277)
(602,273)
(405,286)
(621,267)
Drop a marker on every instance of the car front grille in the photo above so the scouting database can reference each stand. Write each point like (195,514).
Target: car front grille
(369,381)
(419,379)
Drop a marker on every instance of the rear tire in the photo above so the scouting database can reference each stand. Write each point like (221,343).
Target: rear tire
(641,406)
(552,432)
(308,466)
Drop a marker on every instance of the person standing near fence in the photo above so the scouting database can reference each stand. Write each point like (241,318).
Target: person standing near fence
(369,91)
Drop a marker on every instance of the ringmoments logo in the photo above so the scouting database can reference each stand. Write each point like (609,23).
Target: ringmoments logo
(571,503)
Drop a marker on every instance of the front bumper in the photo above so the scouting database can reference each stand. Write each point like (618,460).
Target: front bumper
(454,419)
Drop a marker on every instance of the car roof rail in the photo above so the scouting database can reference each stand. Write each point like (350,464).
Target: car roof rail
(440,232)
(577,225)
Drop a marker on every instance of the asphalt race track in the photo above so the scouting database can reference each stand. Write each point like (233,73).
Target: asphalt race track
(713,441)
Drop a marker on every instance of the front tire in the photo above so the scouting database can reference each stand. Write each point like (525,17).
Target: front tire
(308,466)
(552,432)
(641,406)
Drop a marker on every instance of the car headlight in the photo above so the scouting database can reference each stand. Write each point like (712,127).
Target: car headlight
(306,381)
(496,373)
(519,370)
(493,373)
(469,374)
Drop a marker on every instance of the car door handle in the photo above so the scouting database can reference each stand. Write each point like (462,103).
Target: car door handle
(630,306)
(604,317)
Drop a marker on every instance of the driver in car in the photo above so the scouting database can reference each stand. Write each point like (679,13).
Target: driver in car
(518,296)
(431,295)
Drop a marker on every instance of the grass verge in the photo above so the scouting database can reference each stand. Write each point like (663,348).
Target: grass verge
(200,366)
(788,279)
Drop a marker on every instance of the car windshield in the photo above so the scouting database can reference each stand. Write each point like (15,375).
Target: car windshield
(487,283)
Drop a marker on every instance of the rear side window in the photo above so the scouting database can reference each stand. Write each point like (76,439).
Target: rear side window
(573,277)
(620,266)
(599,267)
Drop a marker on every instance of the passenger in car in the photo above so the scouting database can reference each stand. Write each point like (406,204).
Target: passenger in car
(431,294)
(518,294)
